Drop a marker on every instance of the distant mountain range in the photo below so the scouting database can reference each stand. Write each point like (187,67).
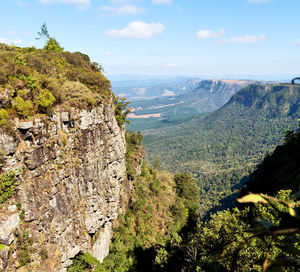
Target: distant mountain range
(153,88)
(206,96)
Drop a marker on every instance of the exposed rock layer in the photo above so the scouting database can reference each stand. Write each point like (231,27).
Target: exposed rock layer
(73,186)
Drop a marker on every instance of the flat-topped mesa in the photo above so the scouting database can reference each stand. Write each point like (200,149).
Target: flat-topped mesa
(229,86)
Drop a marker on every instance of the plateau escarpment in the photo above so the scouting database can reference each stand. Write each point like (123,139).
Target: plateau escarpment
(63,166)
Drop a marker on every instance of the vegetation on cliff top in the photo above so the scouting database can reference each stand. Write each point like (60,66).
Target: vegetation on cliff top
(34,81)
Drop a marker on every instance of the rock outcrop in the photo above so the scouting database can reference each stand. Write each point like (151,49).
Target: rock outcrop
(73,185)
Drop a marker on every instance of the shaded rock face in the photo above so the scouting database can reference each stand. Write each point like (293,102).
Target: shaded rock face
(73,186)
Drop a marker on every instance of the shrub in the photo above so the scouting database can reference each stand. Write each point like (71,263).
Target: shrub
(121,109)
(84,262)
(24,257)
(77,94)
(44,253)
(3,117)
(8,184)
(23,243)
(44,100)
(53,45)
(23,107)
(84,56)
(30,81)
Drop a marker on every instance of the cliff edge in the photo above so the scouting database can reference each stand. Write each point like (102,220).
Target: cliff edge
(63,169)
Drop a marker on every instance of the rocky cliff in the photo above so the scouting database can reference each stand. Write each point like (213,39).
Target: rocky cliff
(72,187)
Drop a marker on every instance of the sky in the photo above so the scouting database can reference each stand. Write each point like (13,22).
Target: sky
(165,37)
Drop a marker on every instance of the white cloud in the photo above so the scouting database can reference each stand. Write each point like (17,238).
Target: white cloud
(168,93)
(122,10)
(208,34)
(78,3)
(259,1)
(108,54)
(137,30)
(244,39)
(130,9)
(121,1)
(297,43)
(162,1)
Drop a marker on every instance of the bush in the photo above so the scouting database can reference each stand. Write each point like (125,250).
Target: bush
(8,184)
(24,257)
(84,262)
(121,109)
(53,45)
(77,94)
(3,117)
(30,81)
(44,101)
(23,107)
(44,253)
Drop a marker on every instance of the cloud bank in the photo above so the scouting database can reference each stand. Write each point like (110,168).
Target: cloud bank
(77,2)
(122,10)
(244,39)
(162,1)
(137,30)
(208,34)
(259,1)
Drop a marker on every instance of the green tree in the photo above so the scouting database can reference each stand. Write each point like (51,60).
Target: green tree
(51,43)
(44,32)
(121,109)
(187,188)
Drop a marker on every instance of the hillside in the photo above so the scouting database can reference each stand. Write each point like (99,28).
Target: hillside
(278,171)
(224,146)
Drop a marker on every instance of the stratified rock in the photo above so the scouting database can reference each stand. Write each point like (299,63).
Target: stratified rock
(73,185)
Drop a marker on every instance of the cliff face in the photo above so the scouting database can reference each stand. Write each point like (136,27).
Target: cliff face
(224,86)
(73,185)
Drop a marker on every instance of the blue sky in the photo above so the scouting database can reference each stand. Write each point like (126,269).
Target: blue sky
(182,37)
